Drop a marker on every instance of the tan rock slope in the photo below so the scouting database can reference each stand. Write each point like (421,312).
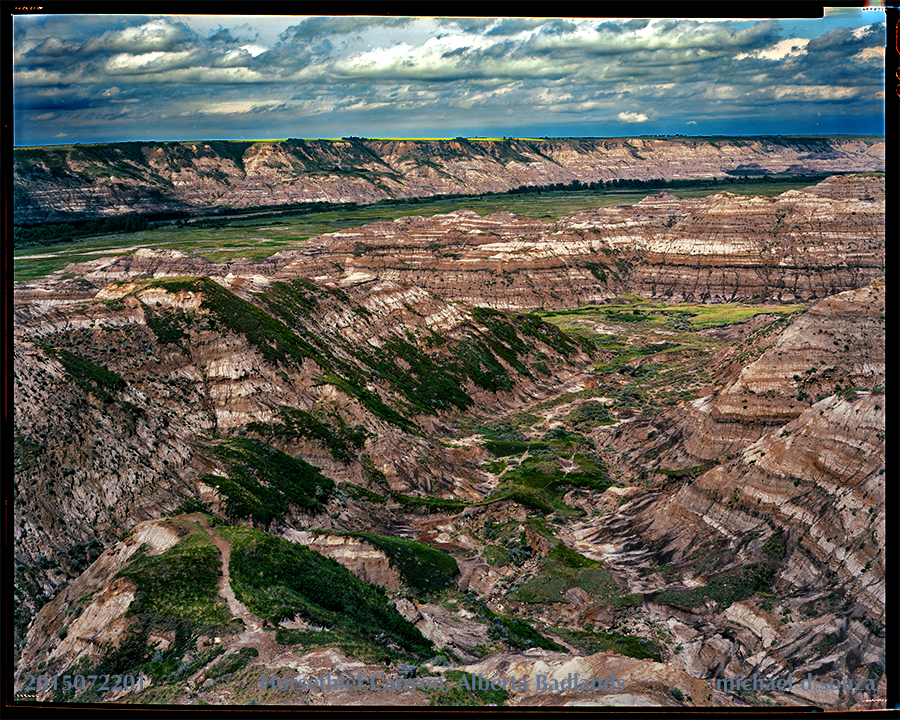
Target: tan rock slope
(505,498)
(798,246)
(59,183)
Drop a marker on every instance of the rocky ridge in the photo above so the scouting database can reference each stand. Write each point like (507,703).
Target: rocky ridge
(62,183)
(737,530)
(796,247)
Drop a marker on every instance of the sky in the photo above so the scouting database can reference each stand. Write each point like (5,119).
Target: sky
(108,78)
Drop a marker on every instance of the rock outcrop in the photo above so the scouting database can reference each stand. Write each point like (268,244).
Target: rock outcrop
(796,247)
(374,386)
(71,182)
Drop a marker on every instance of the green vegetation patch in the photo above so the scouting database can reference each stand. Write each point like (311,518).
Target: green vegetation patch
(168,324)
(595,642)
(539,482)
(465,689)
(689,473)
(361,494)
(510,328)
(181,582)
(505,448)
(430,504)
(724,589)
(51,234)
(562,569)
(509,630)
(424,569)
(176,592)
(434,380)
(231,149)
(272,338)
(531,498)
(280,580)
(694,316)
(294,300)
(92,378)
(429,382)
(371,400)
(233,663)
(263,480)
(495,555)
(342,441)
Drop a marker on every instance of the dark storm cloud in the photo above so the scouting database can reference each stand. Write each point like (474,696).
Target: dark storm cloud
(514,26)
(318,27)
(223,36)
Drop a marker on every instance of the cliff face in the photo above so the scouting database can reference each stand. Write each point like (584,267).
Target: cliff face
(142,374)
(798,246)
(52,184)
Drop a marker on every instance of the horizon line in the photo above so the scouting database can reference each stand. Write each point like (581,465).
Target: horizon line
(457,137)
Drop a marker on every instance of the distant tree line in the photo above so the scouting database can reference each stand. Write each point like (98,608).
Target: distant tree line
(52,233)
(660,183)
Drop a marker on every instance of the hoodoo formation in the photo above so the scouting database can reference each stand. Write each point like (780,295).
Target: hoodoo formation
(641,445)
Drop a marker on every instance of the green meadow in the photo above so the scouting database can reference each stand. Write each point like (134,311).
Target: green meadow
(260,234)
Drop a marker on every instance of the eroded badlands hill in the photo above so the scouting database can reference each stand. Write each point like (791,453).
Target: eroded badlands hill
(353,455)
(772,486)
(798,246)
(59,183)
(125,402)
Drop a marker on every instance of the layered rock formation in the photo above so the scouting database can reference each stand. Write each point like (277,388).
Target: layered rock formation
(798,246)
(836,346)
(91,181)
(794,507)
(798,520)
(355,387)
(145,375)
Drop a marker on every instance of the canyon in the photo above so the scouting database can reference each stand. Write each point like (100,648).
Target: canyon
(87,181)
(643,440)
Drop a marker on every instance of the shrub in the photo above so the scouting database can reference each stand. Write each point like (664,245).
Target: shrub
(278,579)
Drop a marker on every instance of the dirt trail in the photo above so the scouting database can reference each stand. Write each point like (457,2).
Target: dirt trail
(253,635)
(237,608)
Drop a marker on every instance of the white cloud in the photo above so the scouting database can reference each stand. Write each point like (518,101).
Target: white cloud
(789,47)
(871,53)
(543,71)
(127,64)
(815,92)
(157,35)
(254,49)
